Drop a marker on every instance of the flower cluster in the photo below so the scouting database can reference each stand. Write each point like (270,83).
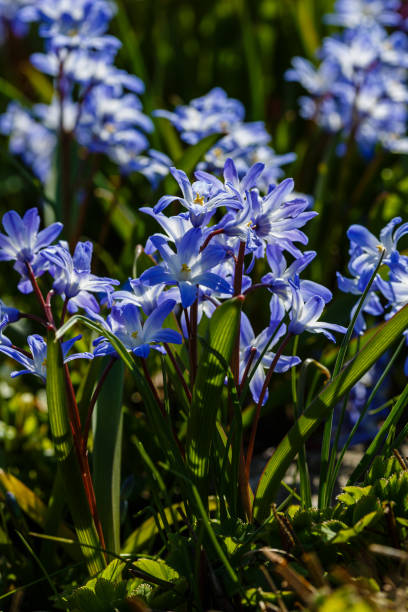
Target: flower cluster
(205,254)
(94,101)
(360,87)
(244,142)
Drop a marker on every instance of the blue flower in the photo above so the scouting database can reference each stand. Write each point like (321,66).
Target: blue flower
(304,316)
(251,347)
(24,243)
(270,219)
(212,113)
(175,227)
(81,23)
(88,68)
(12,314)
(37,365)
(144,296)
(367,249)
(73,279)
(154,166)
(372,304)
(127,324)
(277,281)
(359,88)
(198,198)
(395,289)
(188,267)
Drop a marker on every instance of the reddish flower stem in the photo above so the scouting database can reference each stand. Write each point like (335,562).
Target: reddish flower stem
(210,237)
(33,317)
(246,372)
(22,351)
(82,456)
(39,295)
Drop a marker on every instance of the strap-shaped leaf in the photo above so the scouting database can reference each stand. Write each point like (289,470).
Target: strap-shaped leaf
(107,455)
(67,460)
(213,366)
(321,408)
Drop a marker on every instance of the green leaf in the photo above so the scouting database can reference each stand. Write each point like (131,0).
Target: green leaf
(352,495)
(107,454)
(67,460)
(367,521)
(158,570)
(211,374)
(321,408)
(56,400)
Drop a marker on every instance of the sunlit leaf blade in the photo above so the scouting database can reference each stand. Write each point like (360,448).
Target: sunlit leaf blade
(211,374)
(321,408)
(28,501)
(67,460)
(107,454)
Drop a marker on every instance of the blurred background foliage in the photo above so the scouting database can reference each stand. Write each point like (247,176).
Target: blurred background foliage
(181,50)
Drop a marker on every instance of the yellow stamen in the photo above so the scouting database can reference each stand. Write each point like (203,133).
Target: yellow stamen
(199,199)
(185,268)
(135,334)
